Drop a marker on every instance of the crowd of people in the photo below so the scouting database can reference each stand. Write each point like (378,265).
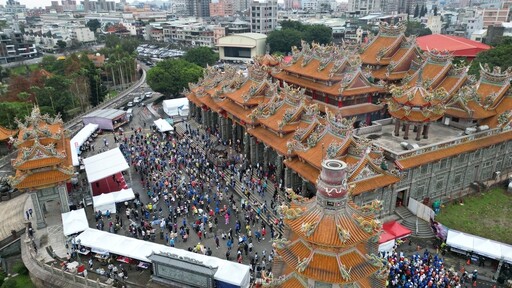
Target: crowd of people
(189,192)
(425,270)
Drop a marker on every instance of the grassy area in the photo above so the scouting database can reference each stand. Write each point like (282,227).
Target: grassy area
(22,69)
(484,214)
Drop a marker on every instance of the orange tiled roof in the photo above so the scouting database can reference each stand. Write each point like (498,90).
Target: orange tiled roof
(504,106)
(42,179)
(485,89)
(210,103)
(415,115)
(236,110)
(478,112)
(359,109)
(192,97)
(311,70)
(431,71)
(6,133)
(452,84)
(305,170)
(53,128)
(428,157)
(373,183)
(272,121)
(236,96)
(331,90)
(369,55)
(271,139)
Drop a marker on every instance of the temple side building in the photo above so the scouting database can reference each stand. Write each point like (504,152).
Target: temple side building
(43,164)
(408,124)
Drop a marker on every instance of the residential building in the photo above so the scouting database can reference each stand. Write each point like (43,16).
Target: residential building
(363,7)
(241,5)
(14,7)
(82,35)
(222,8)
(236,27)
(434,23)
(13,47)
(201,8)
(494,16)
(263,16)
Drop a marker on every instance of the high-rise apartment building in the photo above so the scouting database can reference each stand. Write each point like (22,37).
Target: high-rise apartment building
(364,7)
(263,16)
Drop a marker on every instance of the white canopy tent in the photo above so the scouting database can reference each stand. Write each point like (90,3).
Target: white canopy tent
(233,273)
(163,126)
(176,107)
(107,201)
(478,245)
(227,271)
(387,246)
(80,139)
(74,221)
(105,164)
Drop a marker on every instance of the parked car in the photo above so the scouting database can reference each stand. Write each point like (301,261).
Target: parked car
(130,104)
(137,100)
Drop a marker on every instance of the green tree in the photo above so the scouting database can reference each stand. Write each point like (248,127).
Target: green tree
(11,110)
(112,40)
(93,24)
(289,24)
(416,11)
(201,56)
(169,77)
(317,33)
(498,56)
(416,28)
(61,44)
(435,10)
(283,40)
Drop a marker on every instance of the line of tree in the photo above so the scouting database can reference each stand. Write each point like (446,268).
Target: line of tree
(497,56)
(292,32)
(170,76)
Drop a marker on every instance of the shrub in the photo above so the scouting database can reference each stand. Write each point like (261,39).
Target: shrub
(20,268)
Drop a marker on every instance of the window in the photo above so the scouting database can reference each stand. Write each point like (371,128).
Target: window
(424,169)
(439,185)
(443,164)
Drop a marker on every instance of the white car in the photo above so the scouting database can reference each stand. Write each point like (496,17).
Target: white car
(148,94)
(130,104)
(137,100)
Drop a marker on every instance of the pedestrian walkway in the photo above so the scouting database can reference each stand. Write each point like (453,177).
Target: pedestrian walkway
(13,215)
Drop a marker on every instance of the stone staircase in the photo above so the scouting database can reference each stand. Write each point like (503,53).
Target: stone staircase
(409,220)
(253,197)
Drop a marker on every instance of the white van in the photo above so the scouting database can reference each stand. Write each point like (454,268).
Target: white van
(129,112)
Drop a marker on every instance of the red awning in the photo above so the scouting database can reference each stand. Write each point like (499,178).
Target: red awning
(385,237)
(396,229)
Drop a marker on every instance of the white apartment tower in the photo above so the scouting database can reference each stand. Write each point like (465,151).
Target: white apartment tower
(263,16)
(364,7)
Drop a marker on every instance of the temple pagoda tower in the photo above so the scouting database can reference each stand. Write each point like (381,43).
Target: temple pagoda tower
(43,165)
(331,241)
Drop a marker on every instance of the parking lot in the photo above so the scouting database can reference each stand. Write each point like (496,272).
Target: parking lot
(150,54)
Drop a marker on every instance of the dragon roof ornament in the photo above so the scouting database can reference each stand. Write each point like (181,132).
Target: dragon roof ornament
(495,75)
(438,57)
(386,29)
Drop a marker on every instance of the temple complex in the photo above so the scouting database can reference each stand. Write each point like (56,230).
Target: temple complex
(331,241)
(43,164)
(407,123)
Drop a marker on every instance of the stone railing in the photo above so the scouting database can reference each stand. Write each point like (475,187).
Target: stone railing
(47,275)
(437,146)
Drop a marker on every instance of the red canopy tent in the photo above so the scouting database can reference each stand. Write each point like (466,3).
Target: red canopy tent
(385,237)
(396,229)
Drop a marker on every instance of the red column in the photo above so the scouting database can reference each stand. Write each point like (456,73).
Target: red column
(313,94)
(340,103)
(369,97)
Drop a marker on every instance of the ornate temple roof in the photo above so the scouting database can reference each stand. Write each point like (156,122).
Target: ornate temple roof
(483,99)
(330,239)
(380,50)
(38,126)
(6,133)
(44,157)
(418,103)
